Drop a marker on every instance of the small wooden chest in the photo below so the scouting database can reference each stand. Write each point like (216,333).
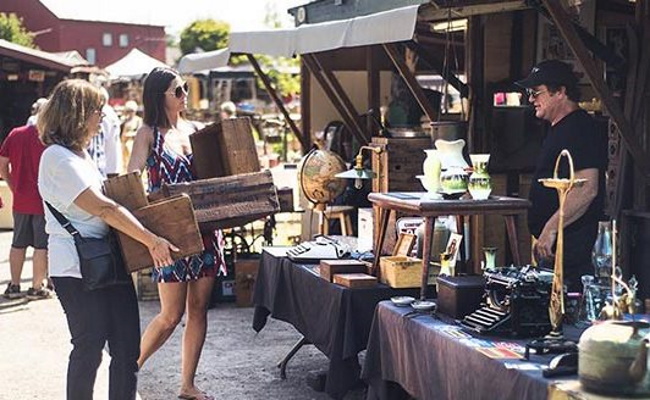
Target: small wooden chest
(245,276)
(460,295)
(330,267)
(354,281)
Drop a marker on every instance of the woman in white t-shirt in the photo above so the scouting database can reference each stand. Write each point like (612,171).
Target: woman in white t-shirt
(70,181)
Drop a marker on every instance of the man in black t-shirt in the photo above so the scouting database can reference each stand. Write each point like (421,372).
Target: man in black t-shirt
(552,90)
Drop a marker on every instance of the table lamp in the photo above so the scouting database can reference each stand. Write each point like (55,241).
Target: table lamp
(358,173)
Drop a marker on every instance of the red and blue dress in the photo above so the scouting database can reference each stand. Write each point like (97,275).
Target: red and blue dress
(167,166)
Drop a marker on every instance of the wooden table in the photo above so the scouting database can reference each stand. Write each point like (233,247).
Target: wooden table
(416,203)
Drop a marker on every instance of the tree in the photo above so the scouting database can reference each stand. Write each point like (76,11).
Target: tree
(12,30)
(204,34)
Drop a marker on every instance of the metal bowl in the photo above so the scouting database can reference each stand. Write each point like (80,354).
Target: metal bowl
(423,305)
(402,301)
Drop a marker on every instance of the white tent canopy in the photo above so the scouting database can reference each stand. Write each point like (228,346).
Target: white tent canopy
(196,62)
(134,64)
(385,27)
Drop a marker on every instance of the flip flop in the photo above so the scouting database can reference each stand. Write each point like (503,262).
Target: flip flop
(203,396)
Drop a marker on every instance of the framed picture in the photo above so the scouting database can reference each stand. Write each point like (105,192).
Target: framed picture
(453,247)
(404,244)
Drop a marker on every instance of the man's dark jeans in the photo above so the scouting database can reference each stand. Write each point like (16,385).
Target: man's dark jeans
(94,318)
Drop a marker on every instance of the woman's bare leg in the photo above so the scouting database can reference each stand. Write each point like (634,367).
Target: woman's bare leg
(198,297)
(172,306)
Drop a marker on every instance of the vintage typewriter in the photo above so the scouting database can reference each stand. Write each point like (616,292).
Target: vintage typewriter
(321,248)
(515,303)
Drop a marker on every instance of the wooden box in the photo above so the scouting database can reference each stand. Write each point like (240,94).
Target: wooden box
(356,280)
(229,201)
(398,164)
(405,272)
(460,295)
(245,277)
(225,148)
(181,229)
(330,267)
(401,271)
(172,219)
(285,198)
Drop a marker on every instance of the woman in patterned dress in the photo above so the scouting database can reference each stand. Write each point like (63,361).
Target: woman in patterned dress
(162,145)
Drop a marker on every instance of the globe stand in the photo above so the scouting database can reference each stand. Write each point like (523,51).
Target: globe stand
(554,342)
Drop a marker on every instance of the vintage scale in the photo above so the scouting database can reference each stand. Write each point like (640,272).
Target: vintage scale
(554,342)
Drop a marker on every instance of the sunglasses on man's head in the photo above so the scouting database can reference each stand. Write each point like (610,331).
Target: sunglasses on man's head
(180,91)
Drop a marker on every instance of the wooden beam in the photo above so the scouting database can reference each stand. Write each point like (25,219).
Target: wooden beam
(345,99)
(329,92)
(278,102)
(411,82)
(374,90)
(432,13)
(438,65)
(569,34)
(305,103)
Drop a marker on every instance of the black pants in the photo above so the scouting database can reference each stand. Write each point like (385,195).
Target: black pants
(94,318)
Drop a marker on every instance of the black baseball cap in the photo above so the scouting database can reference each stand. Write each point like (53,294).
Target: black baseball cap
(550,71)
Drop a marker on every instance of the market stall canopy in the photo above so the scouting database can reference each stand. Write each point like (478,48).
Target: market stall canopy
(134,64)
(196,62)
(37,57)
(384,27)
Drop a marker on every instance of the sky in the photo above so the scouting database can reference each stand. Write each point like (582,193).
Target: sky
(242,15)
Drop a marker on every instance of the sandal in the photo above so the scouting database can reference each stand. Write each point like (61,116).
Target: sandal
(201,396)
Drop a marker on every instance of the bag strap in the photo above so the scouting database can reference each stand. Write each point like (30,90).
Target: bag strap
(65,223)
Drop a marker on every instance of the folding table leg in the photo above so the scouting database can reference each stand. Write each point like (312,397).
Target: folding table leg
(283,363)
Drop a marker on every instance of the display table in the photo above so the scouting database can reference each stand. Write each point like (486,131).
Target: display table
(419,205)
(334,318)
(429,358)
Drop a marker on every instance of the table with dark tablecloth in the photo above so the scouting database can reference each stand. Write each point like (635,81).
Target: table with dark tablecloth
(417,356)
(334,318)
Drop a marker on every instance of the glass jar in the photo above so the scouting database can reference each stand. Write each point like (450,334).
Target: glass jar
(601,254)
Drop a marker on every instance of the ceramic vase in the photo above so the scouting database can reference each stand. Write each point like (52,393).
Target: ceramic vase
(431,169)
(454,180)
(480,184)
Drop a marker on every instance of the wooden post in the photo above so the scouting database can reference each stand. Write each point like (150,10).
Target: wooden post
(278,102)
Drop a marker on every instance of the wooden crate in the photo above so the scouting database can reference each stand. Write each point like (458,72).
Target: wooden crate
(405,272)
(401,271)
(229,201)
(396,167)
(224,148)
(181,228)
(172,219)
(398,164)
(127,190)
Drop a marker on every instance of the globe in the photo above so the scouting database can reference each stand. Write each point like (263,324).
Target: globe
(316,176)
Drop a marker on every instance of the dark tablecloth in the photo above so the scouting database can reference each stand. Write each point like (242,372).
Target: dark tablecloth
(414,355)
(334,318)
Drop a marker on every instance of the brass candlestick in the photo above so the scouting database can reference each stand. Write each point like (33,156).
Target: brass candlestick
(563,186)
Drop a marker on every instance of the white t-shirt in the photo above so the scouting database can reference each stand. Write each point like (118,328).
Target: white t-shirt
(62,176)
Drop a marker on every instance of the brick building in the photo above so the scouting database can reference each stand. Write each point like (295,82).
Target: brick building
(101,42)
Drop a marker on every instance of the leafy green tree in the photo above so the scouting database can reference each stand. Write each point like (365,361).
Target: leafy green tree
(205,34)
(12,30)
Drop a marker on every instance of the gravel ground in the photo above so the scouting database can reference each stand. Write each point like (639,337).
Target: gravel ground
(236,363)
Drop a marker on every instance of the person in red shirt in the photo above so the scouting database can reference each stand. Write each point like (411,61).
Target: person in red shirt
(20,156)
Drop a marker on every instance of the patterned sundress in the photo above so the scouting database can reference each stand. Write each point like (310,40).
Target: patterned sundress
(167,166)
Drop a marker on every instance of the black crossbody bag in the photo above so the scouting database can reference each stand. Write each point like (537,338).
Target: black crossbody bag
(100,259)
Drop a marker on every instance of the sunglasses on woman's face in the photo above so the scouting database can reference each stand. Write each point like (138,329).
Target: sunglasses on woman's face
(180,91)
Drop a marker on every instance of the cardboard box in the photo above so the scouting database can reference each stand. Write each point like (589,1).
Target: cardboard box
(365,225)
(354,281)
(460,295)
(328,268)
(405,272)
(245,277)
